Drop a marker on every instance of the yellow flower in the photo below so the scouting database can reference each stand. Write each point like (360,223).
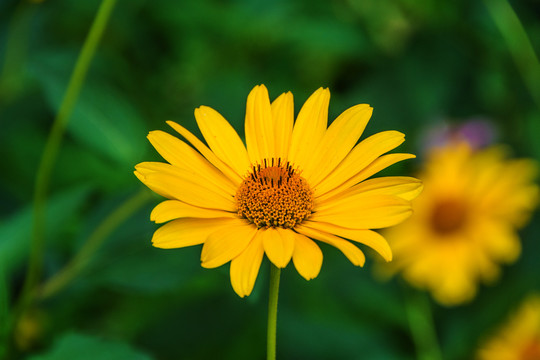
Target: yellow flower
(465,222)
(291,184)
(520,338)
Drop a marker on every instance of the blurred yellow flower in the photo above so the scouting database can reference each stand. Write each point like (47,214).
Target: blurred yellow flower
(292,184)
(465,222)
(519,339)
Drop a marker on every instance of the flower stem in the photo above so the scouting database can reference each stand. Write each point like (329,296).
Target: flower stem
(272,312)
(53,145)
(94,241)
(422,326)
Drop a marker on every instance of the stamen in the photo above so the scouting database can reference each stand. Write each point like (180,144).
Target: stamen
(274,196)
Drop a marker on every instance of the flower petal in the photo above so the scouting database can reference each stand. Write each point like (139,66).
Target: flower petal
(173,209)
(307,257)
(407,188)
(278,245)
(226,243)
(187,232)
(498,239)
(171,182)
(184,157)
(367,237)
(354,254)
(245,267)
(222,139)
(309,128)
(258,127)
(283,118)
(207,153)
(377,165)
(364,212)
(337,142)
(361,156)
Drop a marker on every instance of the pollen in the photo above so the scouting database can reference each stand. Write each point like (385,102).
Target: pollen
(274,195)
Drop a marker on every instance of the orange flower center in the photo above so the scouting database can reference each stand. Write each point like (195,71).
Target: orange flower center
(273,195)
(448,216)
(531,351)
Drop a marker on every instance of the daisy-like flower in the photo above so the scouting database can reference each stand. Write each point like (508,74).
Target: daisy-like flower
(519,339)
(293,183)
(465,223)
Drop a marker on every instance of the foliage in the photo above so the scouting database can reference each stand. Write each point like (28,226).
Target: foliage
(416,62)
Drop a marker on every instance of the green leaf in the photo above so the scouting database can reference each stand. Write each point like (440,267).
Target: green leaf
(150,270)
(103,119)
(16,231)
(82,347)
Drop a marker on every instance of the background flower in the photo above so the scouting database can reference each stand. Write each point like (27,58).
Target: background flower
(466,222)
(519,337)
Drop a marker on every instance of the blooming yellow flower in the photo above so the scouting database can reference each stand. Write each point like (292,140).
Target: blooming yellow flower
(465,222)
(520,338)
(291,184)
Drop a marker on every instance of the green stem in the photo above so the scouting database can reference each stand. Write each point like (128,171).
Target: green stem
(53,145)
(272,312)
(100,234)
(422,327)
(518,43)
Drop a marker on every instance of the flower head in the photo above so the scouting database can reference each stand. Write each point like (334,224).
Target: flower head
(519,339)
(293,182)
(465,222)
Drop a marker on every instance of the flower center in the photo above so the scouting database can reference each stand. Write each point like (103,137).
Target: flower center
(448,216)
(273,195)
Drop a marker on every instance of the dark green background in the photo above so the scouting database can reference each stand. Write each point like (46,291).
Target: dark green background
(415,62)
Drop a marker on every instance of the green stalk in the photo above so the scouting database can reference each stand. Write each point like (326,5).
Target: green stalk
(53,145)
(422,327)
(518,43)
(272,312)
(100,234)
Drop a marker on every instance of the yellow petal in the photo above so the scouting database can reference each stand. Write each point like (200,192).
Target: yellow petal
(162,192)
(500,240)
(367,237)
(166,179)
(337,142)
(222,139)
(207,153)
(186,232)
(354,254)
(309,128)
(361,156)
(404,187)
(377,165)
(307,257)
(227,243)
(258,127)
(283,118)
(364,212)
(278,245)
(184,157)
(174,209)
(245,267)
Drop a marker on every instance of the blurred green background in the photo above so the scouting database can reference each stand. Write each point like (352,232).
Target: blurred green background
(416,62)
